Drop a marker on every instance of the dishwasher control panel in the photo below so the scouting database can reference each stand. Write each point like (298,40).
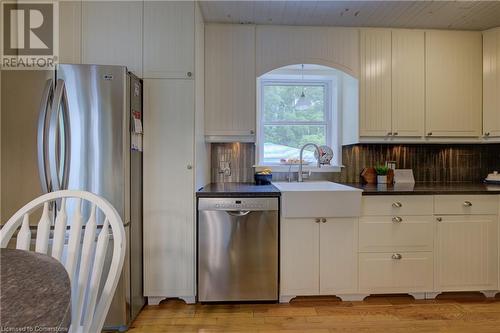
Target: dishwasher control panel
(257,204)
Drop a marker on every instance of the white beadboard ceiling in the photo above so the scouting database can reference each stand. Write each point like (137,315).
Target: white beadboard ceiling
(461,15)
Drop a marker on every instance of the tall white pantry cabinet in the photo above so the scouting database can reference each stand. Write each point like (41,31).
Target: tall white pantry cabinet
(174,149)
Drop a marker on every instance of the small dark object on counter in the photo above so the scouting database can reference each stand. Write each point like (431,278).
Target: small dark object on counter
(369,176)
(263,179)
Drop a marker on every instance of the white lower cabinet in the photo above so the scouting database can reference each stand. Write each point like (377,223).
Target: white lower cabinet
(337,256)
(299,257)
(443,243)
(169,256)
(467,253)
(398,272)
(318,258)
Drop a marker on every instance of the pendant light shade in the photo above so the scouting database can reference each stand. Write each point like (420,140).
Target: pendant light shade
(303,103)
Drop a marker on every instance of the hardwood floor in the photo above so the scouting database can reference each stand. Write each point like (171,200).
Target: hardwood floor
(469,313)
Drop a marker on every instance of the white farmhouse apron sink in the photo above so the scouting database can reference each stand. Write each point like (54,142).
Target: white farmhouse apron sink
(319,198)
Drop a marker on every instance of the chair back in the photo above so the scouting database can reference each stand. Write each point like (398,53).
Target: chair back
(80,244)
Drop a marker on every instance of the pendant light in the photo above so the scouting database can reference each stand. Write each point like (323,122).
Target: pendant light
(303,103)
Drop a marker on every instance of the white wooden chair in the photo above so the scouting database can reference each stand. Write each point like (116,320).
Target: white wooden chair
(83,259)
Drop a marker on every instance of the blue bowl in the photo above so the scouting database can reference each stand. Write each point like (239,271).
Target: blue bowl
(263,179)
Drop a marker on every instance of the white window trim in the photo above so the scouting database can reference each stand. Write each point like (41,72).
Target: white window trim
(333,122)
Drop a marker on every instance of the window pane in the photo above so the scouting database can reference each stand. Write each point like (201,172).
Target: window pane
(285,141)
(279,103)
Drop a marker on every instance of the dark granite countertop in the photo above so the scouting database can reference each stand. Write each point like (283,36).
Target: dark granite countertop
(35,292)
(428,188)
(238,190)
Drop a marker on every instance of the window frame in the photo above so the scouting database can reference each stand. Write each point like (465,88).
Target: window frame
(332,120)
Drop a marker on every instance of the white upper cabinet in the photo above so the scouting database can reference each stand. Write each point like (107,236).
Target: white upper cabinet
(112,34)
(70,32)
(491,83)
(375,86)
(408,83)
(453,83)
(230,81)
(169,39)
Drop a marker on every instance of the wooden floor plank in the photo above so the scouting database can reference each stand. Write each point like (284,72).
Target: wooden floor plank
(461,313)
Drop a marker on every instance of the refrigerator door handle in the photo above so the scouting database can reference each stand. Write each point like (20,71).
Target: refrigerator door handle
(42,137)
(56,145)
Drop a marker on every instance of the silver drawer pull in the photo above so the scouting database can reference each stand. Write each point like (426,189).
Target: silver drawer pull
(397,219)
(323,220)
(317,220)
(397,256)
(467,204)
(397,204)
(439,219)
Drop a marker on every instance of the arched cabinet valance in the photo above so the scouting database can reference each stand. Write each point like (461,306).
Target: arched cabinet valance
(278,46)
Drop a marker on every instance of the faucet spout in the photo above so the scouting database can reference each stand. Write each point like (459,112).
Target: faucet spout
(300,179)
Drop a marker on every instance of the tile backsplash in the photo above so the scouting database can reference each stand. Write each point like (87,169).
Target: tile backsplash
(430,162)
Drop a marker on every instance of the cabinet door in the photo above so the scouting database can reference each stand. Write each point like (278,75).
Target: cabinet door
(466,252)
(112,34)
(299,257)
(491,83)
(169,256)
(338,256)
(375,85)
(408,85)
(70,32)
(453,83)
(168,39)
(230,80)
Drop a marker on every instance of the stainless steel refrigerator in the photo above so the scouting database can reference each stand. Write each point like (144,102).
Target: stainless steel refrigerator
(78,127)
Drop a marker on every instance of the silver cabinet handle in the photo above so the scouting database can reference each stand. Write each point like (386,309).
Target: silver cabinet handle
(467,204)
(389,133)
(189,166)
(397,204)
(395,133)
(397,219)
(189,74)
(317,220)
(252,132)
(439,219)
(429,134)
(323,220)
(397,256)
(487,134)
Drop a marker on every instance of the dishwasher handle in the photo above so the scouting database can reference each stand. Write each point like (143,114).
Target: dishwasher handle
(238,213)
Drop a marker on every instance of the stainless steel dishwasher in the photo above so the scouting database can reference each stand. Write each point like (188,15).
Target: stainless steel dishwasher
(237,249)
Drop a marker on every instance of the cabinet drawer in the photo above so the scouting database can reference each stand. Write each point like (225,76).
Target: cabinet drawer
(381,273)
(466,204)
(397,205)
(396,233)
